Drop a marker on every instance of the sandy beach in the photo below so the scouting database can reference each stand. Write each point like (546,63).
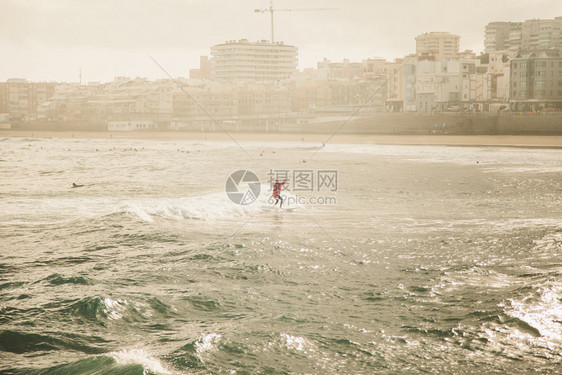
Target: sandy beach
(452,140)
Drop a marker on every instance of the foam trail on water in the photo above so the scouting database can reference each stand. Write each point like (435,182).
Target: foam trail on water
(542,313)
(210,206)
(213,206)
(141,357)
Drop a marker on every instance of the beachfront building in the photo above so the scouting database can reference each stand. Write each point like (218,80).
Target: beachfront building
(205,103)
(19,98)
(243,61)
(497,65)
(453,85)
(212,103)
(437,45)
(536,81)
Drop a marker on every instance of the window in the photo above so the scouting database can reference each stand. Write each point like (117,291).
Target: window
(541,73)
(523,83)
(523,74)
(540,64)
(523,94)
(523,65)
(539,83)
(539,93)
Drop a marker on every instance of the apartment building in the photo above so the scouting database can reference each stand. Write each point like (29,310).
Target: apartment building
(497,65)
(218,101)
(502,36)
(243,61)
(527,35)
(461,84)
(438,45)
(20,99)
(536,80)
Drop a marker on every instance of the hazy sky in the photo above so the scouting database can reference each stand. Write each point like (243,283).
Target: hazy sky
(51,40)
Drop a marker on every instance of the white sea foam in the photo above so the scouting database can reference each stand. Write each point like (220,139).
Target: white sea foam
(113,308)
(475,277)
(207,343)
(211,206)
(141,357)
(294,342)
(543,313)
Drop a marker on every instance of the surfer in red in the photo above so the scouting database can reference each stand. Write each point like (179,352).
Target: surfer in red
(277,192)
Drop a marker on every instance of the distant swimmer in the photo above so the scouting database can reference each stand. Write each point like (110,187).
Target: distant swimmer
(277,192)
(74,185)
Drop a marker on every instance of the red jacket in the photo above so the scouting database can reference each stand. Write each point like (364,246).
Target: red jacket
(277,188)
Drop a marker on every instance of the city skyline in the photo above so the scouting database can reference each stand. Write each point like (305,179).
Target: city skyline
(56,40)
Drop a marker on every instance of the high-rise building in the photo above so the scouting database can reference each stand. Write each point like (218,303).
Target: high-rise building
(498,35)
(244,61)
(19,98)
(438,45)
(528,35)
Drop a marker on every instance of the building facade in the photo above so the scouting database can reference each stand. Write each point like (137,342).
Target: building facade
(452,85)
(536,81)
(243,61)
(527,35)
(438,45)
(20,99)
(502,36)
(395,85)
(497,65)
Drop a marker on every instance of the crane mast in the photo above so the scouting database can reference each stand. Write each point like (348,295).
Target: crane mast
(272,10)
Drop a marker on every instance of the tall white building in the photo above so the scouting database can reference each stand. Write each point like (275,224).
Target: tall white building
(439,45)
(244,61)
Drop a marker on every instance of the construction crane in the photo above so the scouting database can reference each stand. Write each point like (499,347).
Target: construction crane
(271,10)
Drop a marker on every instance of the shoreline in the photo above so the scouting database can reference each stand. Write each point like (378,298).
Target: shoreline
(535,141)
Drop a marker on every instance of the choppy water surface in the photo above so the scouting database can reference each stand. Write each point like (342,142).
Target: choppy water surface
(433,259)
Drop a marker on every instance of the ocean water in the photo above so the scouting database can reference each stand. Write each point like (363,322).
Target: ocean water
(424,259)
